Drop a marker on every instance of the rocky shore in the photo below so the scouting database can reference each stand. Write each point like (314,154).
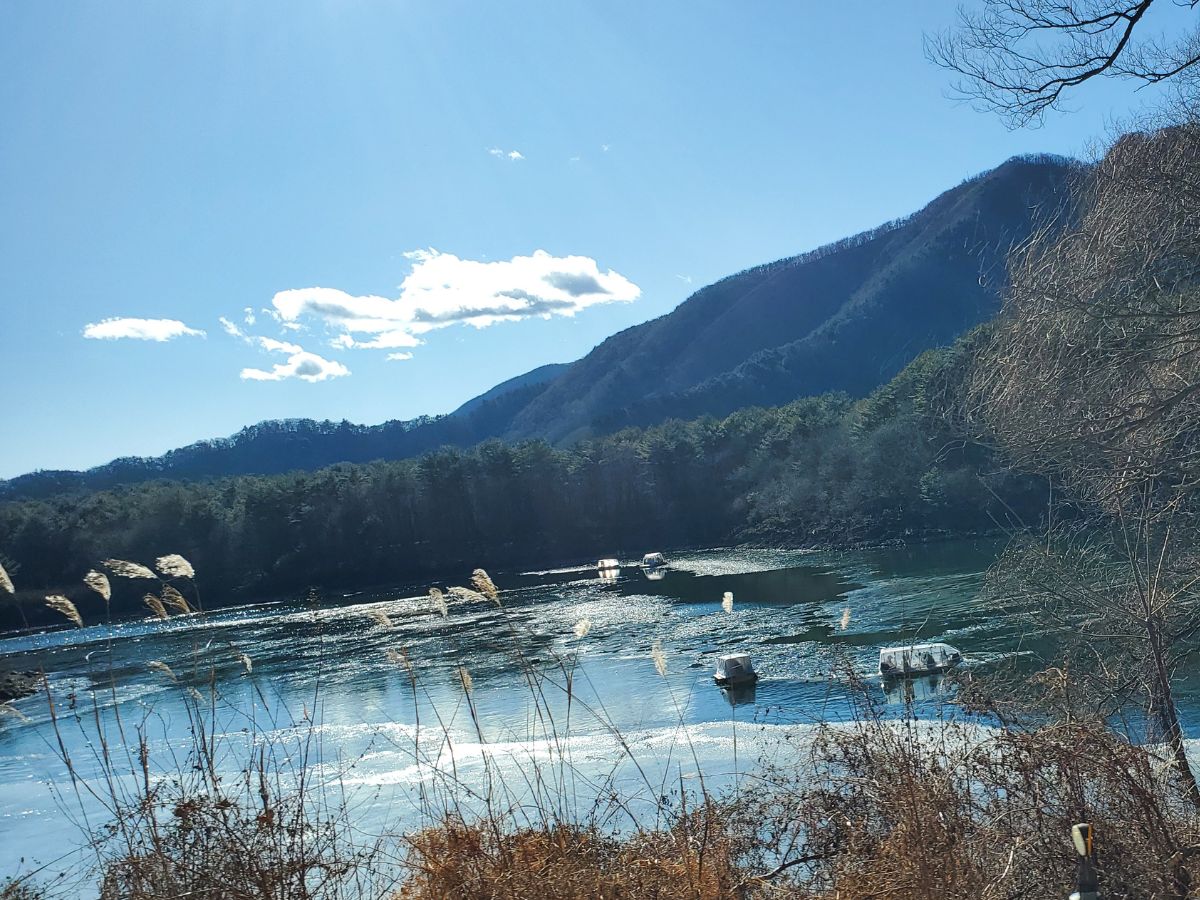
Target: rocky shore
(15,685)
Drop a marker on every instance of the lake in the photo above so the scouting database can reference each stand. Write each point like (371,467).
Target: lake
(807,619)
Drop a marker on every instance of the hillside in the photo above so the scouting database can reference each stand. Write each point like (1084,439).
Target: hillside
(845,317)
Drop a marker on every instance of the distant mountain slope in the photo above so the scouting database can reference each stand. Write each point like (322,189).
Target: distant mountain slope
(299,444)
(538,377)
(845,317)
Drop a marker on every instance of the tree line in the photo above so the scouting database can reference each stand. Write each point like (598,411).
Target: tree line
(816,471)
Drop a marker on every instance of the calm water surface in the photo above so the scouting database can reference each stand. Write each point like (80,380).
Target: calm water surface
(803,616)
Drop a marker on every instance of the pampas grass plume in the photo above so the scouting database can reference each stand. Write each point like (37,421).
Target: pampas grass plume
(126,569)
(439,600)
(845,618)
(484,584)
(465,677)
(65,607)
(175,566)
(98,582)
(582,627)
(727,602)
(380,618)
(6,584)
(155,606)
(660,659)
(156,665)
(247,662)
(175,600)
(465,593)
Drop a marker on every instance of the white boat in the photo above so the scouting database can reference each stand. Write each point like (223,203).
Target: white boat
(735,668)
(917,659)
(608,564)
(653,561)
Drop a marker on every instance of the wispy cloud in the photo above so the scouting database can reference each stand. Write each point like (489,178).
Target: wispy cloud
(115,329)
(686,279)
(231,329)
(444,290)
(511,155)
(300,364)
(398,356)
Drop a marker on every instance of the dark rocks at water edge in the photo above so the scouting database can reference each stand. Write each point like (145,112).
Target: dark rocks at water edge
(15,685)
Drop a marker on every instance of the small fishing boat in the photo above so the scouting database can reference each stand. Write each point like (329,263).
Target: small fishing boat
(917,659)
(735,668)
(654,561)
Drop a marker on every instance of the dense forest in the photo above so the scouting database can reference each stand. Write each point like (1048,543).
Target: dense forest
(818,470)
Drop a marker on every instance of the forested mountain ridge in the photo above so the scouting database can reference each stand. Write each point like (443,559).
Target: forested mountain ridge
(845,317)
(818,470)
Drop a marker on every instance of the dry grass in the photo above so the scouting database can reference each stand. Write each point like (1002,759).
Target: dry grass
(693,860)
(6,584)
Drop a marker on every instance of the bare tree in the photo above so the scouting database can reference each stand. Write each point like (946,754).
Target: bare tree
(1091,376)
(1022,57)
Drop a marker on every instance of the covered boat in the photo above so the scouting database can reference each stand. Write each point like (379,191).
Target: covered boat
(735,668)
(918,659)
(653,561)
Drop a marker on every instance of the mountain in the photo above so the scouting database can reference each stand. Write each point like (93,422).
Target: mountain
(538,377)
(845,317)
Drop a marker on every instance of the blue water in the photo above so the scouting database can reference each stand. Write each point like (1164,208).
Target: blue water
(810,621)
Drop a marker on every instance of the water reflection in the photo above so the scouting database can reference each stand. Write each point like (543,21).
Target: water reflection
(906,691)
(655,574)
(739,694)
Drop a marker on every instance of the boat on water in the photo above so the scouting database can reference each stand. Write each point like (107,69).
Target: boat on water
(735,668)
(654,561)
(917,659)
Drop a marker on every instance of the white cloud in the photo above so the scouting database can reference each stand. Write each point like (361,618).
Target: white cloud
(273,346)
(444,290)
(248,316)
(511,155)
(686,279)
(113,329)
(399,356)
(231,329)
(300,364)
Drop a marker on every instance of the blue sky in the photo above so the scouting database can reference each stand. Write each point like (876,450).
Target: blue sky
(190,162)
